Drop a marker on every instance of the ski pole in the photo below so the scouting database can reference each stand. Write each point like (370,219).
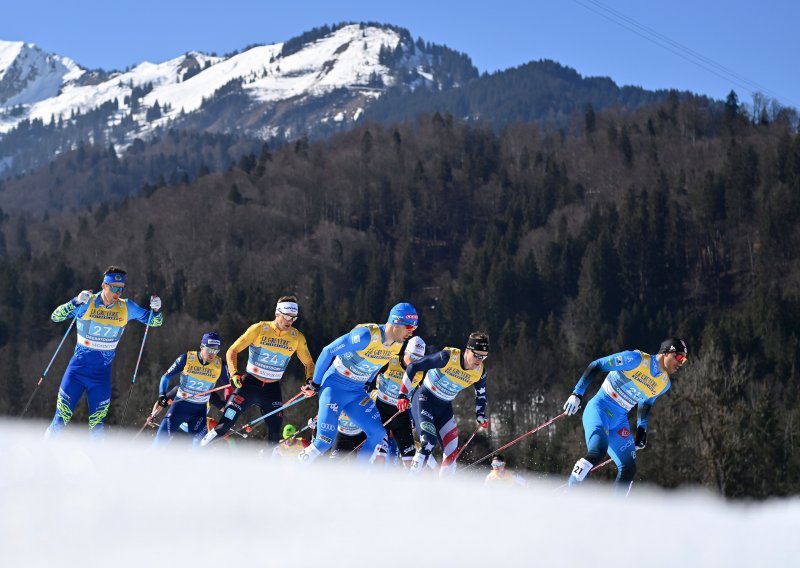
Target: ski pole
(53,358)
(249,426)
(454,456)
(514,441)
(136,369)
(149,420)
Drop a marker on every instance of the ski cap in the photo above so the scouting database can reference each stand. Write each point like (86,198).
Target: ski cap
(674,345)
(416,347)
(211,340)
(403,314)
(289,431)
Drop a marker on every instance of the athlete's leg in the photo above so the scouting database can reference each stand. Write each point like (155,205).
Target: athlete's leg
(69,394)
(240,400)
(345,444)
(595,430)
(362,412)
(622,449)
(424,408)
(271,399)
(327,420)
(98,397)
(448,437)
(400,428)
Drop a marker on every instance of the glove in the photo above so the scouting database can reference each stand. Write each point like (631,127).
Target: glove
(641,438)
(482,420)
(309,389)
(312,423)
(573,404)
(155,303)
(236,380)
(163,401)
(402,402)
(369,386)
(83,297)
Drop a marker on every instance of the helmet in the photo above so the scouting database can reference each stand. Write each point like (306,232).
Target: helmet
(403,314)
(289,431)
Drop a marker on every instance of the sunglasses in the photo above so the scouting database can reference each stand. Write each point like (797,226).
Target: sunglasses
(116,289)
(211,350)
(498,465)
(287,317)
(680,358)
(478,356)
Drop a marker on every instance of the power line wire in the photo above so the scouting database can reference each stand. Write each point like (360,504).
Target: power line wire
(674,47)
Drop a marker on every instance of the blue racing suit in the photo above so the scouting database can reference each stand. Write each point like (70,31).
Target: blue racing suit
(342,369)
(99,331)
(190,405)
(633,378)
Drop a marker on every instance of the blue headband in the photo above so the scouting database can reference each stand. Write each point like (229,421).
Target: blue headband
(114,278)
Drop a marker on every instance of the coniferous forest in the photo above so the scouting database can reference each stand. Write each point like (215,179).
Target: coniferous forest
(563,244)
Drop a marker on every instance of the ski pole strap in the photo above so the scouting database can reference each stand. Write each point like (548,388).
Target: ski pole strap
(514,441)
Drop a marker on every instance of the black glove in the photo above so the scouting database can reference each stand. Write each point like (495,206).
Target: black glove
(163,401)
(641,438)
(369,386)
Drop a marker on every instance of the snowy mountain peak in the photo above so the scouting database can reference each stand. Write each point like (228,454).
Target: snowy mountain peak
(29,75)
(323,79)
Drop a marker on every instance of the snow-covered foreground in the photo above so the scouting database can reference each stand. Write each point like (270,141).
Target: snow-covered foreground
(72,503)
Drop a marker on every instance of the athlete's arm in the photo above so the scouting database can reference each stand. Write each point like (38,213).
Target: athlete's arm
(432,361)
(353,341)
(305,357)
(69,310)
(622,361)
(176,368)
(244,341)
(138,313)
(480,396)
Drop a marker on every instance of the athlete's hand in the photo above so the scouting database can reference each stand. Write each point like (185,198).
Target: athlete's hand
(309,389)
(163,401)
(155,303)
(641,438)
(573,404)
(83,297)
(402,402)
(369,386)
(482,420)
(236,380)
(312,423)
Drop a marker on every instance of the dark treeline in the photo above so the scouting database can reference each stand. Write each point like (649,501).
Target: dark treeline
(608,235)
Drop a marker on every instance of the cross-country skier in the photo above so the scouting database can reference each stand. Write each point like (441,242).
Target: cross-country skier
(290,445)
(344,367)
(389,380)
(500,475)
(199,372)
(447,373)
(270,346)
(100,320)
(632,378)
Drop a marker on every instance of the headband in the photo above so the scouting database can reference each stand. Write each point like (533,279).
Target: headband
(114,278)
(287,308)
(478,344)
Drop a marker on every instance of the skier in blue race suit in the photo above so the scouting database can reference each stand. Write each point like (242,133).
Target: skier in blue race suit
(100,320)
(199,371)
(341,372)
(632,378)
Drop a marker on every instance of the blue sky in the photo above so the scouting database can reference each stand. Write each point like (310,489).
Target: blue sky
(744,46)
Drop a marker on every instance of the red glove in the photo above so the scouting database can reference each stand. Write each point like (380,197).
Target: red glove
(482,420)
(402,403)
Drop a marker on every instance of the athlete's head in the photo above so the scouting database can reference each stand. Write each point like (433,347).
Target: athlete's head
(673,353)
(288,431)
(477,348)
(498,462)
(402,322)
(415,350)
(286,312)
(113,285)
(210,345)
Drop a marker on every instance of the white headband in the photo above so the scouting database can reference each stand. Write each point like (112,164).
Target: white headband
(287,308)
